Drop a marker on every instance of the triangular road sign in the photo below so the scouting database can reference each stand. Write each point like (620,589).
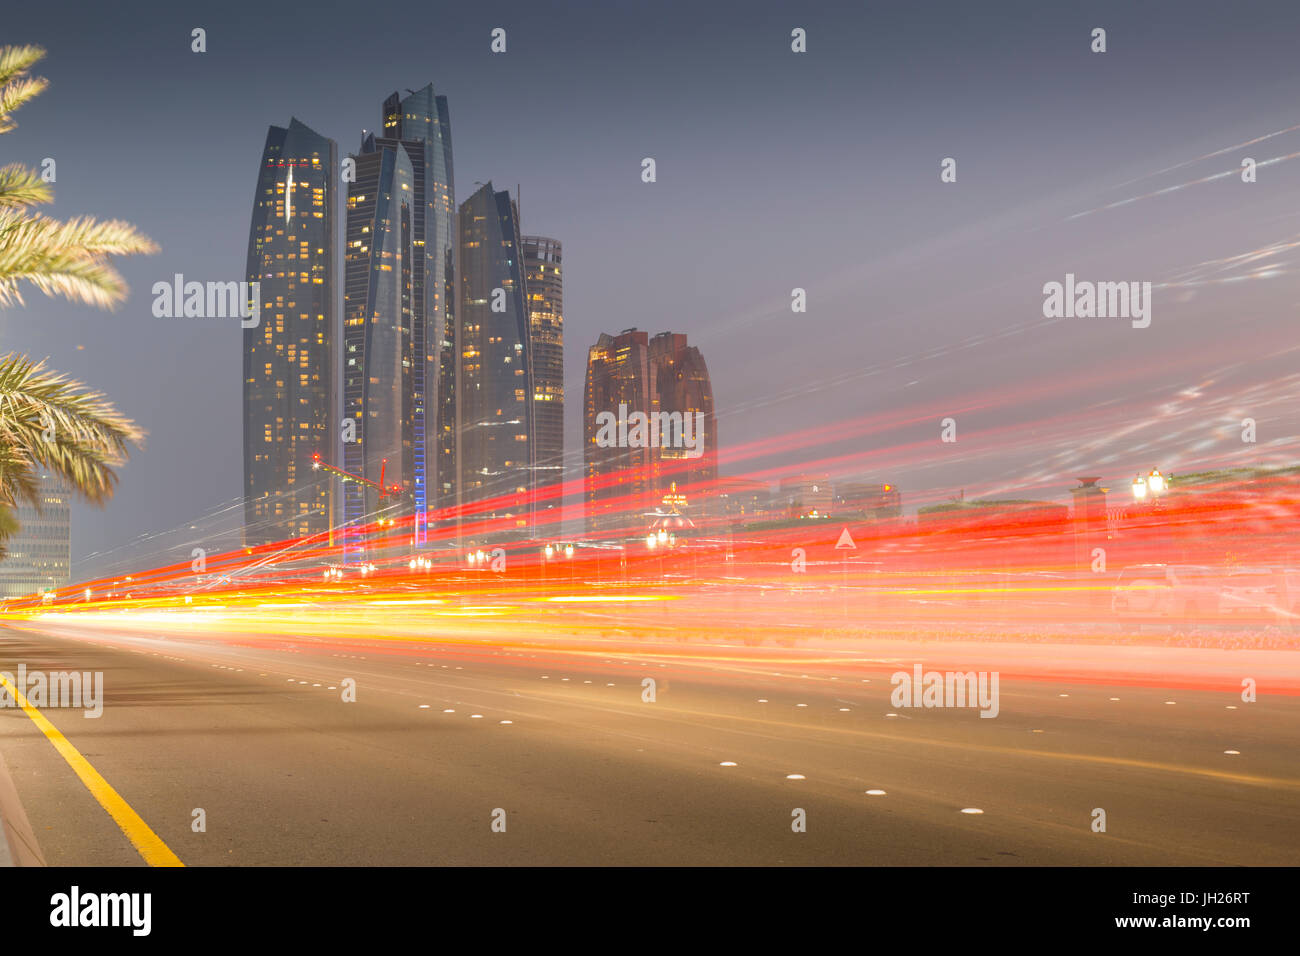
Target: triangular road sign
(846,541)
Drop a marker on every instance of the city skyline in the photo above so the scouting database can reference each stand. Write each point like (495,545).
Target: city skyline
(906,356)
(918,490)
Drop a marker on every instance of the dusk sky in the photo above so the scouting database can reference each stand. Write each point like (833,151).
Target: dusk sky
(775,170)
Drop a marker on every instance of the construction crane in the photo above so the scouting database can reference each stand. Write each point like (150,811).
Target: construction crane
(385,491)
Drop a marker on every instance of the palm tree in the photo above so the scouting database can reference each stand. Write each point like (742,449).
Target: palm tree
(47,421)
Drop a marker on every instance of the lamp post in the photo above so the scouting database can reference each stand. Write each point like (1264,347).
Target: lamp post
(1150,487)
(1149,493)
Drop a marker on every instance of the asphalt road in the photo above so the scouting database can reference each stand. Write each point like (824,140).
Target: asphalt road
(255,732)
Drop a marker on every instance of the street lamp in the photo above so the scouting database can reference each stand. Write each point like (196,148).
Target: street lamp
(1139,488)
(1156,482)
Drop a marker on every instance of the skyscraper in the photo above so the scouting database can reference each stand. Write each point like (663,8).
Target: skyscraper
(682,387)
(398,311)
(648,425)
(289,356)
(495,403)
(38,557)
(617,480)
(543,265)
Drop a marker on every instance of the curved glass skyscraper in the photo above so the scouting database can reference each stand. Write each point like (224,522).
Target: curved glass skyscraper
(544,276)
(496,373)
(399,309)
(289,355)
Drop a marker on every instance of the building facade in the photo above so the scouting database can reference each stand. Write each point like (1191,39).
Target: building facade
(806,496)
(495,402)
(648,424)
(744,500)
(544,277)
(868,501)
(617,485)
(399,303)
(39,556)
(681,387)
(289,356)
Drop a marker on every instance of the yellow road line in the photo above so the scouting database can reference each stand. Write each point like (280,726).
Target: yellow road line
(150,846)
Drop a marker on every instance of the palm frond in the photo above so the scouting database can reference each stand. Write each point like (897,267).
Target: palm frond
(8,527)
(109,238)
(47,420)
(14,94)
(16,88)
(18,480)
(20,186)
(85,467)
(16,60)
(67,259)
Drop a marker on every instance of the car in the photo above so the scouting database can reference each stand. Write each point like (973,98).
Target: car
(1163,592)
(1262,594)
